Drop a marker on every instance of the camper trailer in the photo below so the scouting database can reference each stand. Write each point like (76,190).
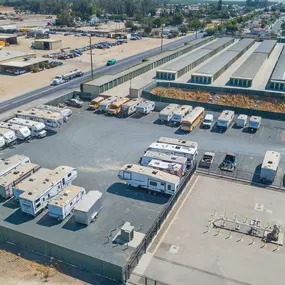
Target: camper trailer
(130,107)
(148,178)
(145,107)
(180,113)
(269,166)
(22,132)
(166,114)
(40,188)
(61,206)
(2,142)
(180,142)
(37,129)
(50,119)
(150,155)
(254,123)
(11,163)
(8,181)
(171,168)
(104,105)
(8,135)
(65,112)
(225,119)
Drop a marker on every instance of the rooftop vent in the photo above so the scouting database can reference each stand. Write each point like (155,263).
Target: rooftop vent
(31,179)
(30,193)
(154,172)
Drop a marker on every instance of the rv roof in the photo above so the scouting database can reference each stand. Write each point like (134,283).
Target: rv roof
(271,160)
(11,126)
(4,131)
(131,102)
(40,114)
(69,193)
(226,115)
(255,119)
(168,109)
(15,174)
(158,174)
(88,201)
(13,160)
(24,121)
(165,165)
(183,109)
(165,156)
(171,147)
(177,142)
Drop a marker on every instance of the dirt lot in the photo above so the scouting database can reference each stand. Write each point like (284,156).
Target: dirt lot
(5,9)
(237,100)
(31,81)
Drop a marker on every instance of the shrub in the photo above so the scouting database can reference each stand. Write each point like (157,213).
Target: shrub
(35,70)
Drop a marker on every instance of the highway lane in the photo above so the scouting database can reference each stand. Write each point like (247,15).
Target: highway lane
(121,65)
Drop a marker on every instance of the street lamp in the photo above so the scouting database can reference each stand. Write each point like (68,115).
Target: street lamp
(91,57)
(161,46)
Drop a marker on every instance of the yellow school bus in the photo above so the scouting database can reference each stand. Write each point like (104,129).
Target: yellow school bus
(193,119)
(94,104)
(115,107)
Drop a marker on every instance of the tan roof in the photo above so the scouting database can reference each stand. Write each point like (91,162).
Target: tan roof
(13,160)
(40,113)
(22,63)
(48,41)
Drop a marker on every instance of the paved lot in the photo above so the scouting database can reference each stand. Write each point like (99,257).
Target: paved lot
(188,255)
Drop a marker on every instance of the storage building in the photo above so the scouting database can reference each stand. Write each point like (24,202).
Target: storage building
(47,44)
(8,39)
(277,80)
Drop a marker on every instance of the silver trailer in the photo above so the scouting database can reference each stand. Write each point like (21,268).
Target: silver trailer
(22,132)
(166,114)
(88,208)
(180,113)
(145,107)
(104,105)
(130,107)
(65,112)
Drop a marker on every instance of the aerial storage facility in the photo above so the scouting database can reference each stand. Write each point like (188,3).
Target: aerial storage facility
(277,80)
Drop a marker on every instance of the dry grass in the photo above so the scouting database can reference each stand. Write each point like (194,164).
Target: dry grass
(236,100)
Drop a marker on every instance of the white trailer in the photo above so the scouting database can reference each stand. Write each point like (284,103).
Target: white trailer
(130,107)
(37,129)
(150,155)
(180,113)
(2,142)
(171,168)
(254,123)
(88,208)
(152,179)
(34,194)
(241,121)
(178,142)
(145,107)
(60,79)
(65,112)
(8,181)
(225,119)
(104,105)
(269,166)
(166,114)
(8,135)
(50,119)
(11,163)
(22,132)
(62,205)
(189,152)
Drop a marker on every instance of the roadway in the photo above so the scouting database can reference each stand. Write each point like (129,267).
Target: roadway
(121,65)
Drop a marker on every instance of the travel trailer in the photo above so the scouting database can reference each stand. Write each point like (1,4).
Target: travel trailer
(145,107)
(65,112)
(104,105)
(171,168)
(8,135)
(180,113)
(269,166)
(22,132)
(11,163)
(180,142)
(130,107)
(225,119)
(166,114)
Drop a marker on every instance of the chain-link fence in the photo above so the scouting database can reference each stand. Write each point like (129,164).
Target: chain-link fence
(137,279)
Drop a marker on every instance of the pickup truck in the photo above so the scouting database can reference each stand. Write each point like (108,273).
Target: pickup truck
(77,103)
(207,160)
(229,163)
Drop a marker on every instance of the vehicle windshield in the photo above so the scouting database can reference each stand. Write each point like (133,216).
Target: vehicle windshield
(230,158)
(207,121)
(58,77)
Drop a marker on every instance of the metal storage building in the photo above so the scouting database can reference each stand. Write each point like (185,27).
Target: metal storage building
(47,44)
(277,80)
(106,82)
(9,39)
(266,46)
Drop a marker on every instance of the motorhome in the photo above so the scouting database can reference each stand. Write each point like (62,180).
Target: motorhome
(37,129)
(269,166)
(148,178)
(193,119)
(254,123)
(150,155)
(22,132)
(61,206)
(65,112)
(8,181)
(189,152)
(180,142)
(130,107)
(94,104)
(50,119)
(11,163)
(105,104)
(8,135)
(225,119)
(145,107)
(40,188)
(165,115)
(171,168)
(180,113)
(115,107)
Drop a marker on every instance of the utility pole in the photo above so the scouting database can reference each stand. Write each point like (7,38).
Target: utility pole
(91,57)
(161,45)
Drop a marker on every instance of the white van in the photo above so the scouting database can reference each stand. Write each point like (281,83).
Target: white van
(241,121)
(254,123)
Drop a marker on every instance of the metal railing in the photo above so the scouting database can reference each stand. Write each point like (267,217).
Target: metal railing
(138,279)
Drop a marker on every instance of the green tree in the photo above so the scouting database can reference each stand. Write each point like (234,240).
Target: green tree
(177,19)
(195,25)
(211,31)
(157,22)
(147,30)
(129,24)
(183,29)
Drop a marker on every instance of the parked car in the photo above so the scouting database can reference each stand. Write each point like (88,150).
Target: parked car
(74,102)
(111,62)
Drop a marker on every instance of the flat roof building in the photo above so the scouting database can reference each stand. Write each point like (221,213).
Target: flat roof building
(47,44)
(277,80)
(6,55)
(10,39)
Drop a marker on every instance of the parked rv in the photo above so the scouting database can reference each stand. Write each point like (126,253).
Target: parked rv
(22,132)
(2,142)
(254,123)
(9,180)
(166,114)
(105,104)
(180,113)
(8,135)
(130,107)
(270,166)
(94,104)
(37,129)
(62,205)
(241,121)
(148,178)
(11,163)
(225,119)
(115,107)
(88,208)
(171,168)
(65,112)
(193,119)
(145,107)
(180,142)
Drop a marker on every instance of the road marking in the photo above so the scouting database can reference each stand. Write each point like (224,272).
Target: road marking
(259,207)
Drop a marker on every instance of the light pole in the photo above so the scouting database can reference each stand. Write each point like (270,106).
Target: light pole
(161,45)
(91,57)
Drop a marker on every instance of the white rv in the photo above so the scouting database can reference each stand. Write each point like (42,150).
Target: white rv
(65,112)
(152,179)
(37,129)
(104,105)
(150,155)
(22,132)
(189,152)
(40,188)
(254,123)
(11,163)
(50,119)
(269,166)
(180,113)
(8,135)
(2,142)
(225,119)
(8,181)
(130,107)
(145,107)
(62,205)
(166,114)
(178,142)
(171,168)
